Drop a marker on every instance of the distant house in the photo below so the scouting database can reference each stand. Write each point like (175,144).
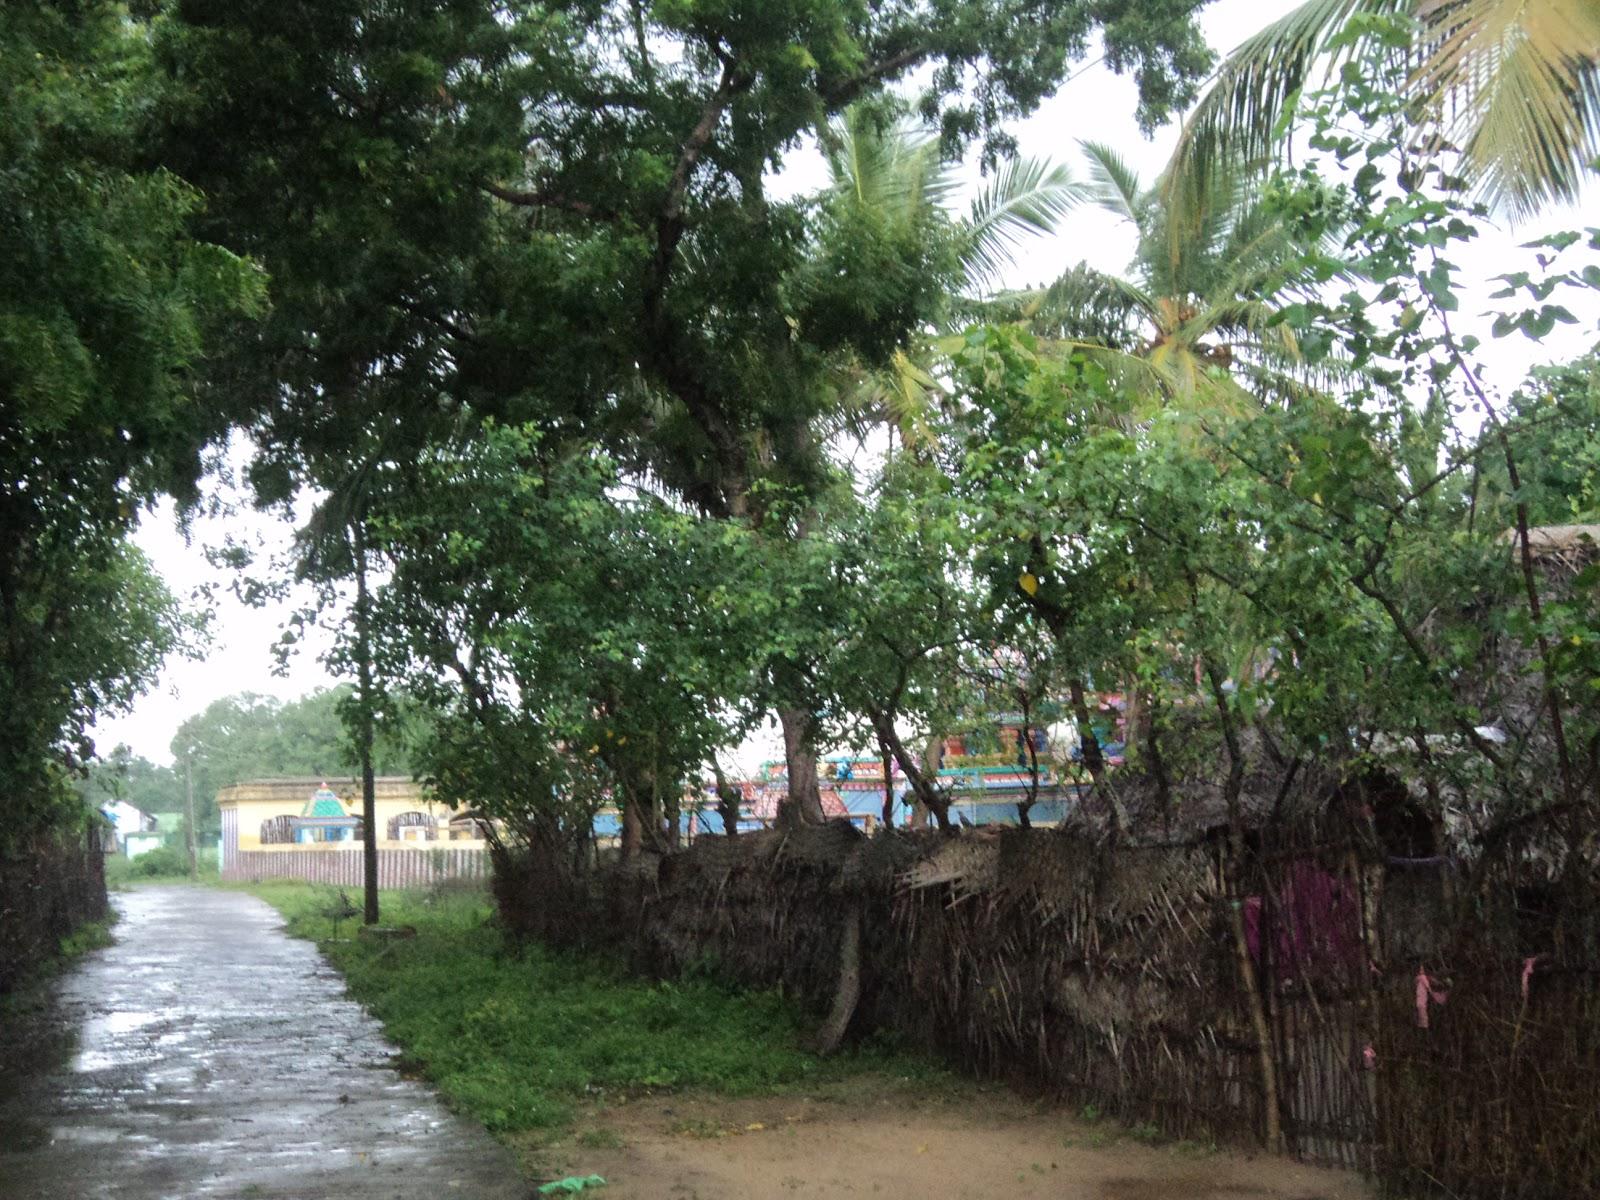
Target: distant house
(135,829)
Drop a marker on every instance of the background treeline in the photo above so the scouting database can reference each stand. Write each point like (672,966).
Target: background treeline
(242,737)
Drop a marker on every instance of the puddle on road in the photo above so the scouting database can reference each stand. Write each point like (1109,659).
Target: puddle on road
(121,1022)
(106,1041)
(90,1062)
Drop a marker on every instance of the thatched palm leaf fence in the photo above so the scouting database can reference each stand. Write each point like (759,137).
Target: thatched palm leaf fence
(50,884)
(1108,975)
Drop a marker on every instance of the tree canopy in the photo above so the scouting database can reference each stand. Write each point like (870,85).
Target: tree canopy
(107,301)
(508,292)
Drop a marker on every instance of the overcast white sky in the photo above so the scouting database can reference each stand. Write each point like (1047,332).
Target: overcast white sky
(1095,105)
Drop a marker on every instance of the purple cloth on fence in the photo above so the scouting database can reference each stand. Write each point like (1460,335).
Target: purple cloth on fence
(1316,923)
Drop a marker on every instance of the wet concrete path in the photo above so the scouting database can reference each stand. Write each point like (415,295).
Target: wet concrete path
(215,1056)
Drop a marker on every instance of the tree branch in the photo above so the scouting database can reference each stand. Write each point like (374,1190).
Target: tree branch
(733,82)
(849,89)
(556,200)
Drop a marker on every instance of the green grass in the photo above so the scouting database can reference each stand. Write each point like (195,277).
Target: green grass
(525,1040)
(91,935)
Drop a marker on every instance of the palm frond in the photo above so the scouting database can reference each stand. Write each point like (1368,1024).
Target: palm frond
(1027,197)
(1516,84)
(1238,116)
(1089,305)
(1114,184)
(894,169)
(1513,84)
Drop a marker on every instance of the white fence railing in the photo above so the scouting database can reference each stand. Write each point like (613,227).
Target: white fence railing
(342,868)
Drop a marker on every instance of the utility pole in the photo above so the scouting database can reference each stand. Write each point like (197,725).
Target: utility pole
(188,823)
(364,730)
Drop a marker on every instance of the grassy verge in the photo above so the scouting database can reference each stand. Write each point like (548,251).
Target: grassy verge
(527,1040)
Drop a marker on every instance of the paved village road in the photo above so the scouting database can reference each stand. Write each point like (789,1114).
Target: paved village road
(215,1056)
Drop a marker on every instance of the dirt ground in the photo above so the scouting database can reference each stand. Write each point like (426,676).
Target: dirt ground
(880,1140)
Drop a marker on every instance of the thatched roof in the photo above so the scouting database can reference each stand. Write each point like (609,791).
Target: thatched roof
(1194,807)
(1558,539)
(1560,551)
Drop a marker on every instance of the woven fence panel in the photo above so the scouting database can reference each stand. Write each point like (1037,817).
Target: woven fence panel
(49,885)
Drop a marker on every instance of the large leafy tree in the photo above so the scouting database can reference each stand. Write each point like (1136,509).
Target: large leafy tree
(892,186)
(559,216)
(576,643)
(106,301)
(565,209)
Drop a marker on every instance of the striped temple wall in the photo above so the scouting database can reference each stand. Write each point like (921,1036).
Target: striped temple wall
(342,868)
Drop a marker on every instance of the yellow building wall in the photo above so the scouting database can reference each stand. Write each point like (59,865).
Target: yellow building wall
(260,801)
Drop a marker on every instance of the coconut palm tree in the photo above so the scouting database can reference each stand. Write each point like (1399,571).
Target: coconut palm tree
(1514,85)
(896,174)
(1189,322)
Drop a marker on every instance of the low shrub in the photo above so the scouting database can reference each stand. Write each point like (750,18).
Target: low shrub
(163,860)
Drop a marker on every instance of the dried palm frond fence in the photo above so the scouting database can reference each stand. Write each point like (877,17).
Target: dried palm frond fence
(50,883)
(1140,978)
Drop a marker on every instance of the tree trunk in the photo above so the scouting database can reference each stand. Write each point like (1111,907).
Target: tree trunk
(924,785)
(1031,796)
(727,801)
(369,802)
(632,830)
(932,760)
(1273,1120)
(803,804)
(1158,768)
(1233,897)
(888,784)
(1132,721)
(672,805)
(1093,758)
(848,991)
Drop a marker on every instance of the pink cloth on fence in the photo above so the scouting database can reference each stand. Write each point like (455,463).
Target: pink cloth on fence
(1316,923)
(1426,992)
(1529,965)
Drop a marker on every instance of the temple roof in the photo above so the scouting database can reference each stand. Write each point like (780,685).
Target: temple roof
(324,803)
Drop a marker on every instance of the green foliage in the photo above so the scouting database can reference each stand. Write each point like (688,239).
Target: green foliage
(1194,321)
(521,1039)
(1349,577)
(163,860)
(92,935)
(556,221)
(106,303)
(124,775)
(567,636)
(1512,89)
